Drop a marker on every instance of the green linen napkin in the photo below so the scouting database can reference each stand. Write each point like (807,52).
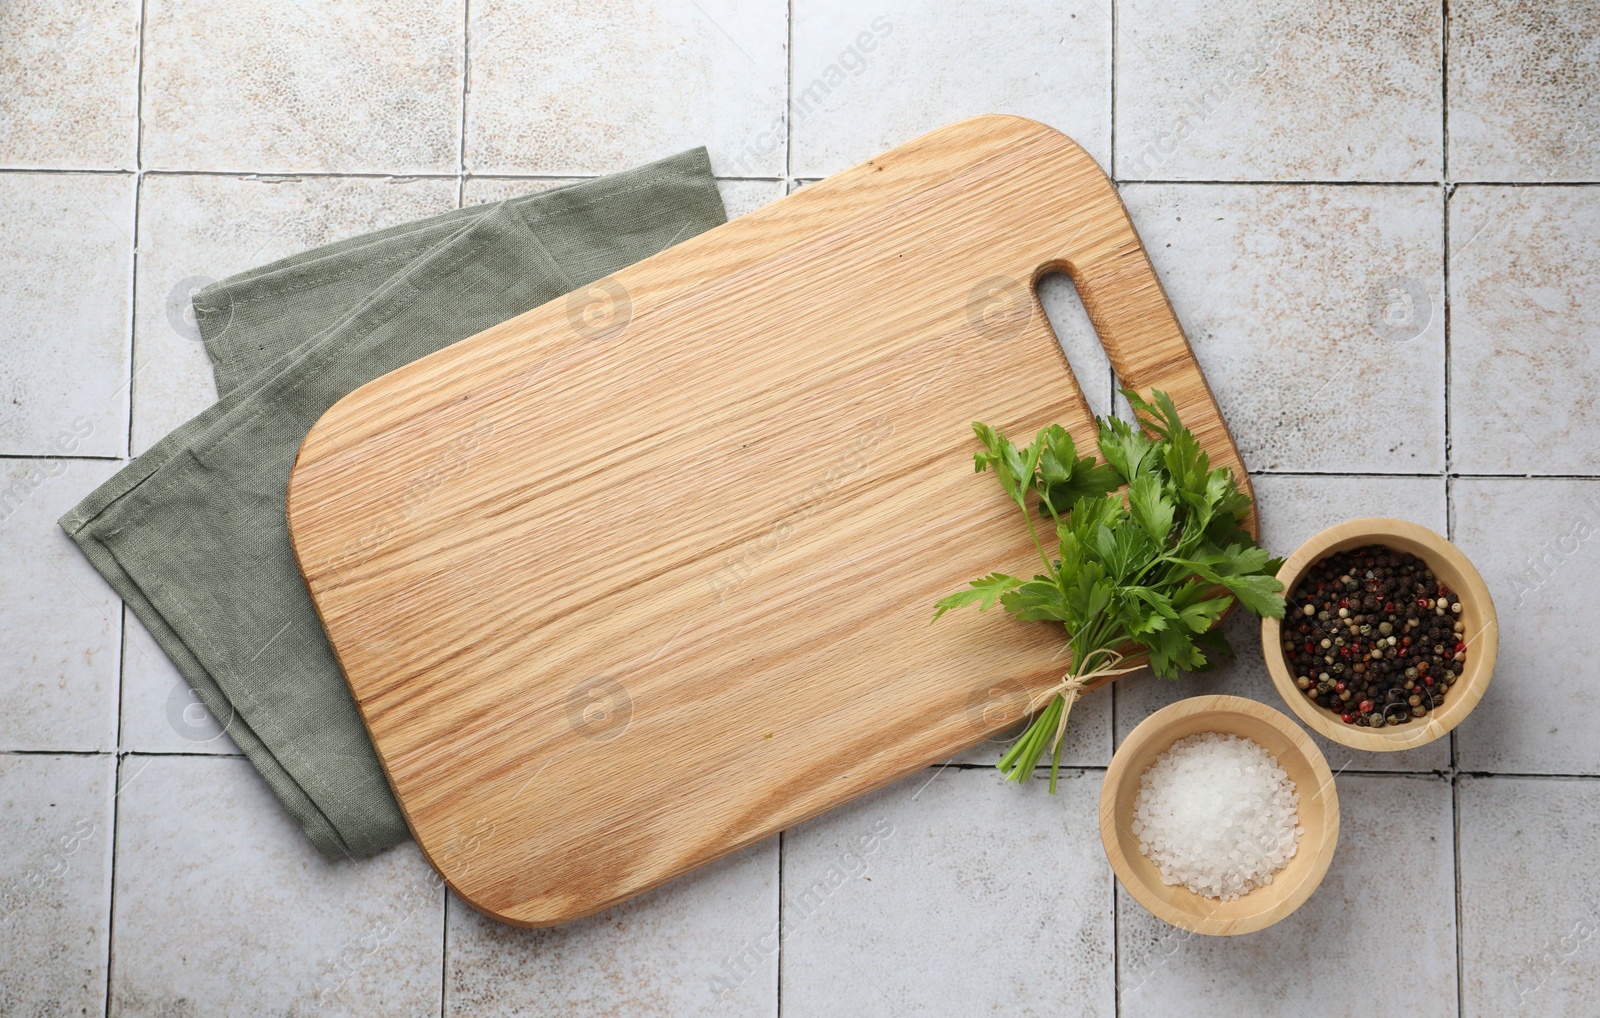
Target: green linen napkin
(192,533)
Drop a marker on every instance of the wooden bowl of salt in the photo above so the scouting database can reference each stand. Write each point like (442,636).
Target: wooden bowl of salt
(1317,811)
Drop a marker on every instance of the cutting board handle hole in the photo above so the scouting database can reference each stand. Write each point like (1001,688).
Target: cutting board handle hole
(1068,319)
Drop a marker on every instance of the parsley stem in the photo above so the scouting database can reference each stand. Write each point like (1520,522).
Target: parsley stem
(1023,501)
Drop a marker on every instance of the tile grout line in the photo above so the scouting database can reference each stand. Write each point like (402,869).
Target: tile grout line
(1449,457)
(99,171)
(122,634)
(788,105)
(1111,158)
(777,999)
(1543,182)
(360,174)
(1527,776)
(1116,917)
(122,671)
(466,88)
(1444,230)
(1455,827)
(444,946)
(119,753)
(111,897)
(133,263)
(1318,182)
(116,785)
(1116,950)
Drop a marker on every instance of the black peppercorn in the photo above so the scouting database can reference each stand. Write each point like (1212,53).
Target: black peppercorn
(1382,623)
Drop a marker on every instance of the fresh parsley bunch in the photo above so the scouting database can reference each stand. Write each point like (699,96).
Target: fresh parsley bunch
(1143,576)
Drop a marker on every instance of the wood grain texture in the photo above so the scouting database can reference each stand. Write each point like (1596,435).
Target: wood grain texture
(1296,754)
(645,575)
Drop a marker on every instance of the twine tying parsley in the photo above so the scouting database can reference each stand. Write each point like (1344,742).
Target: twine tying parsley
(1073,686)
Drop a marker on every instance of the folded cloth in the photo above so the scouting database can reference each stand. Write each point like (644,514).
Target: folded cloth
(193,534)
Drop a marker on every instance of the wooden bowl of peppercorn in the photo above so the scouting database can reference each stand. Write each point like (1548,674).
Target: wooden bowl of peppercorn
(1389,638)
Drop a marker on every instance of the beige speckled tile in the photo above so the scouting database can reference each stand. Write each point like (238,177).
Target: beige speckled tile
(223,907)
(66,260)
(69,83)
(741,196)
(738,196)
(953,894)
(1292,509)
(1377,937)
(160,713)
(316,85)
(658,954)
(1525,313)
(62,623)
(55,883)
(867,78)
(577,87)
(1535,542)
(1523,78)
(482,190)
(197,229)
(1316,314)
(1279,90)
(1530,897)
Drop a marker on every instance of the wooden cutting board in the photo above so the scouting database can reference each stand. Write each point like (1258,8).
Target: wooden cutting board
(645,575)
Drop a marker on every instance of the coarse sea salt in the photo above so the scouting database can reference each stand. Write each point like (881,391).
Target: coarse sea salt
(1217,814)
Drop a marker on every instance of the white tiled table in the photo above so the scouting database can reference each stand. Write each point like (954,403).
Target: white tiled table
(1286,162)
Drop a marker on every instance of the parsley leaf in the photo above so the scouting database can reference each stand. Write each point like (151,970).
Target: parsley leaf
(1065,477)
(1152,512)
(982,591)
